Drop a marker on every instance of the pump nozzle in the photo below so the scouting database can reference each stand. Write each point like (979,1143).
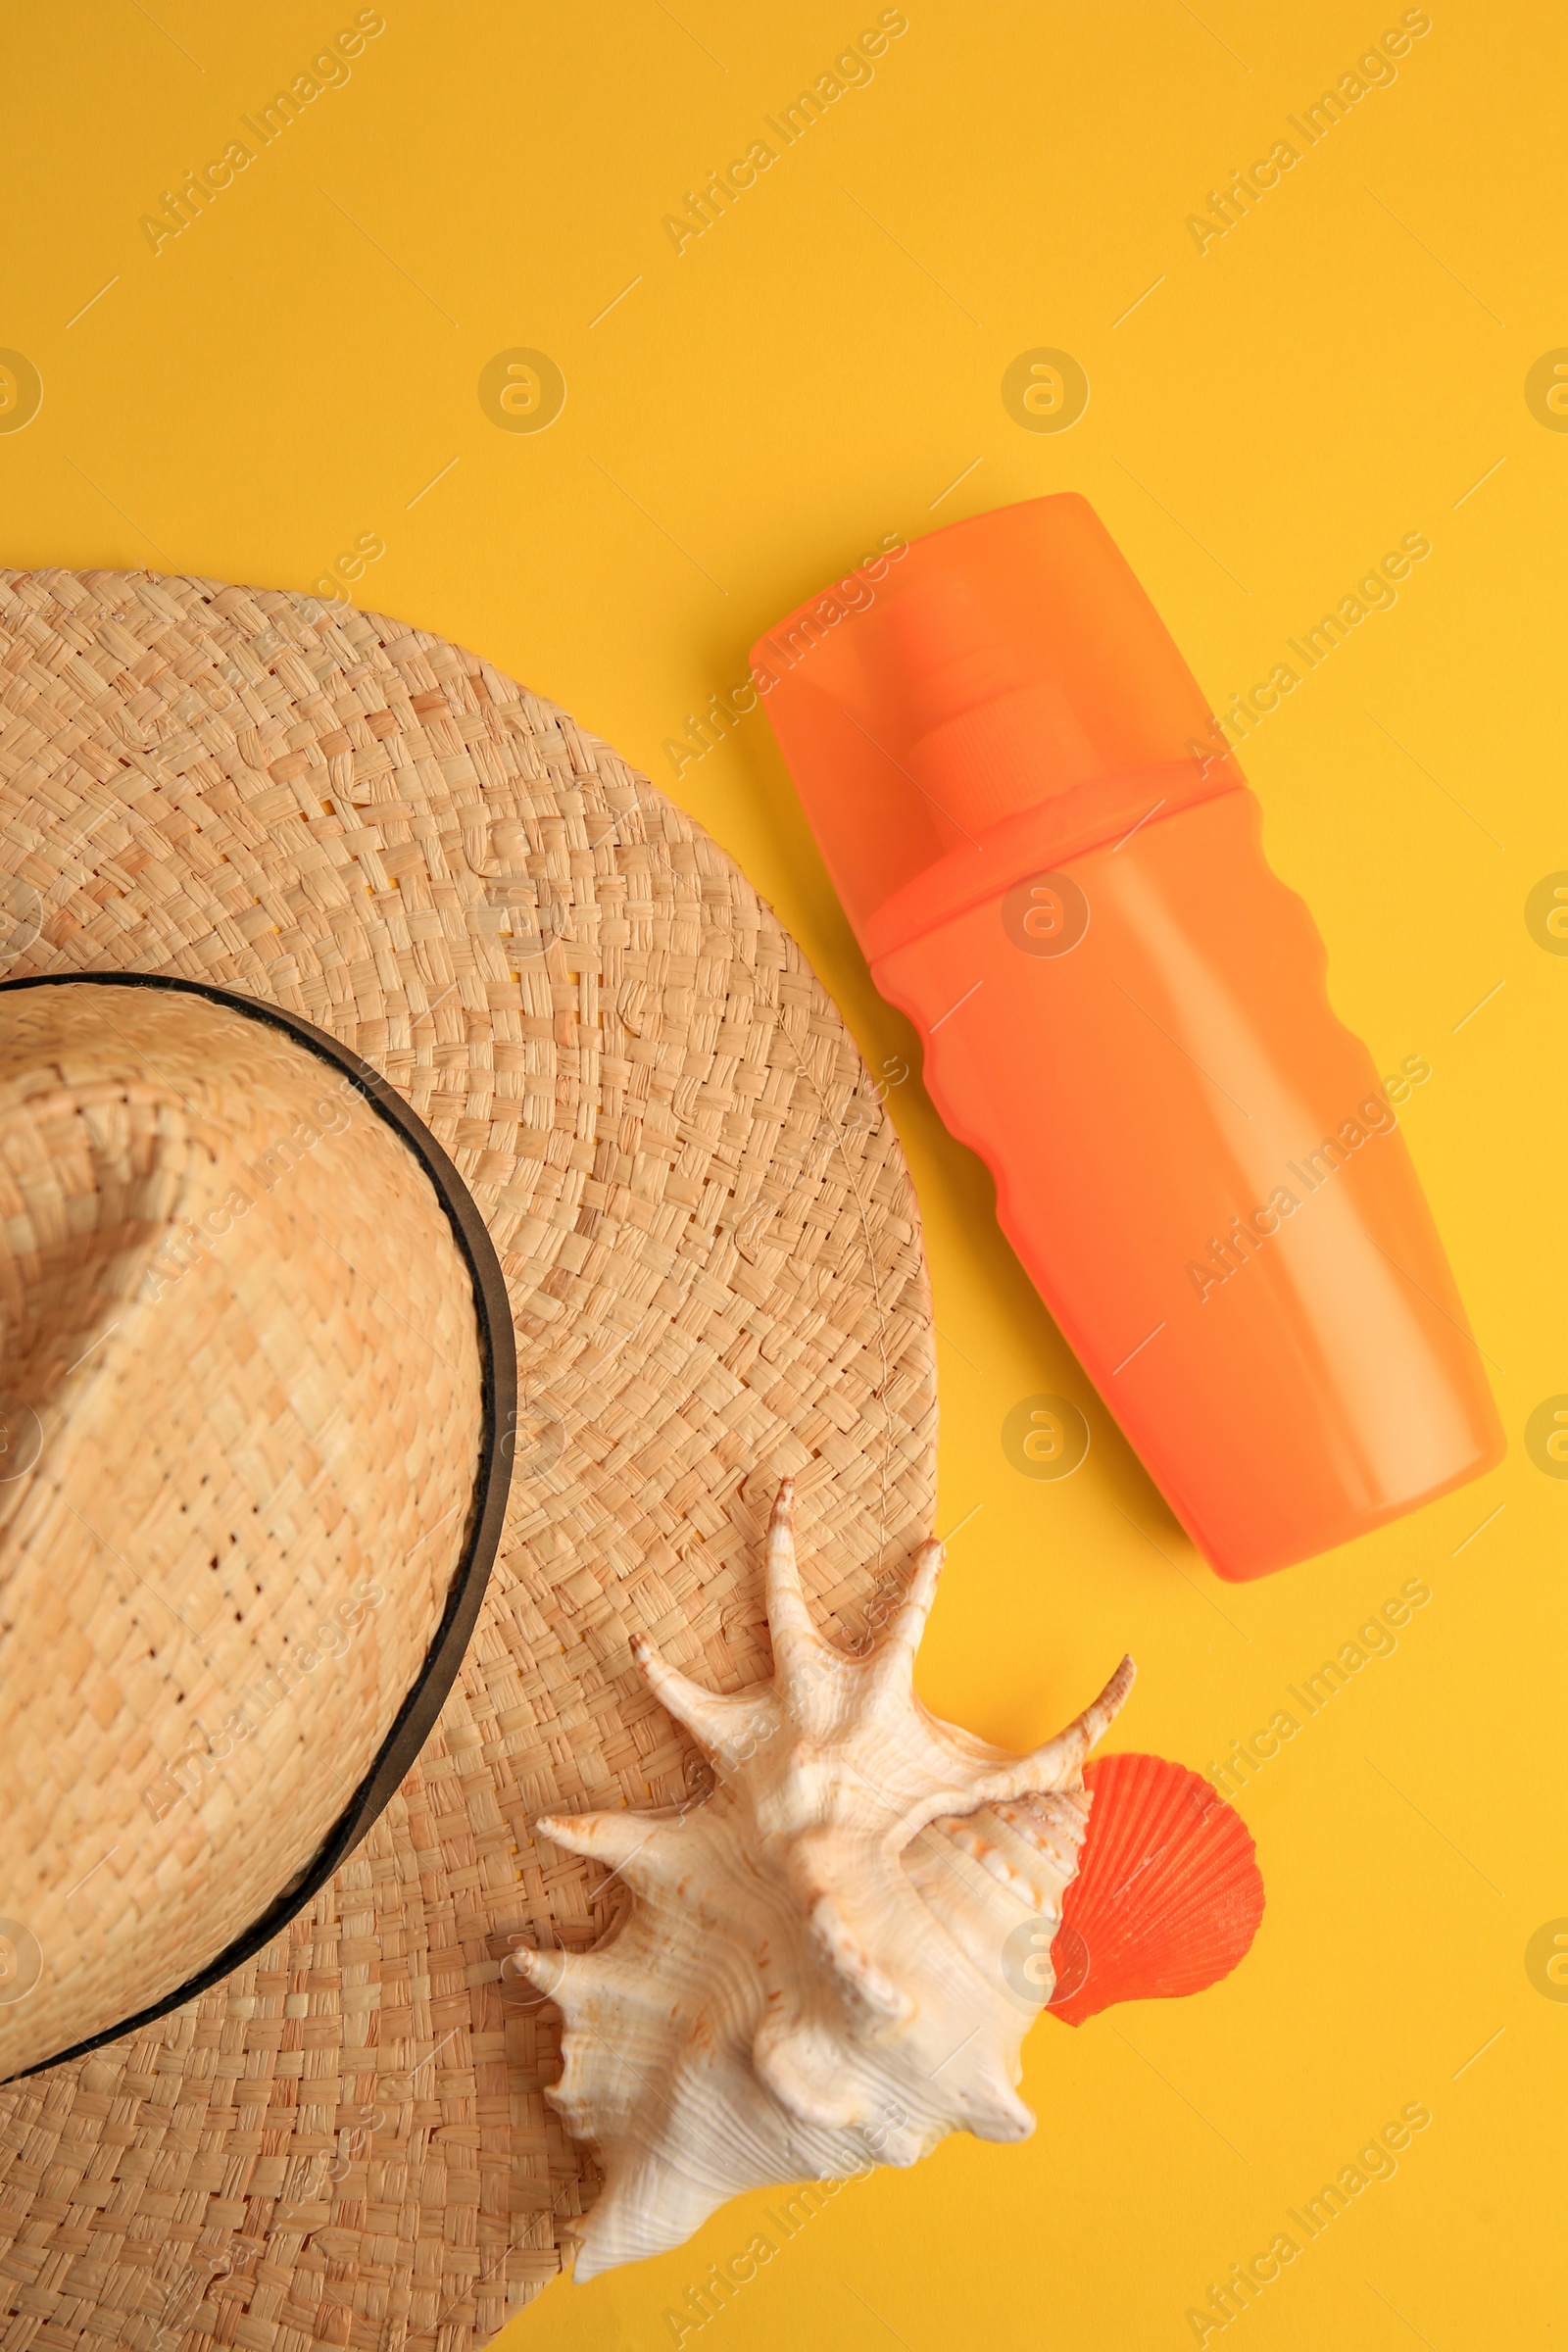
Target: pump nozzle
(991,741)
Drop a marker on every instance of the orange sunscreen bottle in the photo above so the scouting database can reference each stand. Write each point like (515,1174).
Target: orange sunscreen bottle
(1054,865)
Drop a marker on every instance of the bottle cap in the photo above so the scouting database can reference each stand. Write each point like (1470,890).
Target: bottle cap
(989,700)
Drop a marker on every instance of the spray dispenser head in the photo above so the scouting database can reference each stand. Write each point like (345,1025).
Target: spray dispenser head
(992,740)
(1003,678)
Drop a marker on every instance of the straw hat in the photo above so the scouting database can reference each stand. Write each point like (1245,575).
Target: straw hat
(708,1237)
(255,1465)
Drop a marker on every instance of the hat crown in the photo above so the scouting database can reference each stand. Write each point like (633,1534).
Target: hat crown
(243,1414)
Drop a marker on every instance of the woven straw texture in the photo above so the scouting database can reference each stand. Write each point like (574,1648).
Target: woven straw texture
(256,1461)
(714,1258)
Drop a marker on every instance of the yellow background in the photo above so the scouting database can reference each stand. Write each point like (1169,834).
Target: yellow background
(749,420)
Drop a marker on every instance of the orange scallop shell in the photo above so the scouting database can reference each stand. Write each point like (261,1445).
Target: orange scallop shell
(1168,1894)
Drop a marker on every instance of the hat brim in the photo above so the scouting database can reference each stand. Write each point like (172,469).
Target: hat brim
(713,1256)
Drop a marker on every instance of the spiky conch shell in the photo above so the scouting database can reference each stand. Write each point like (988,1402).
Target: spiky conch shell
(833,1959)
